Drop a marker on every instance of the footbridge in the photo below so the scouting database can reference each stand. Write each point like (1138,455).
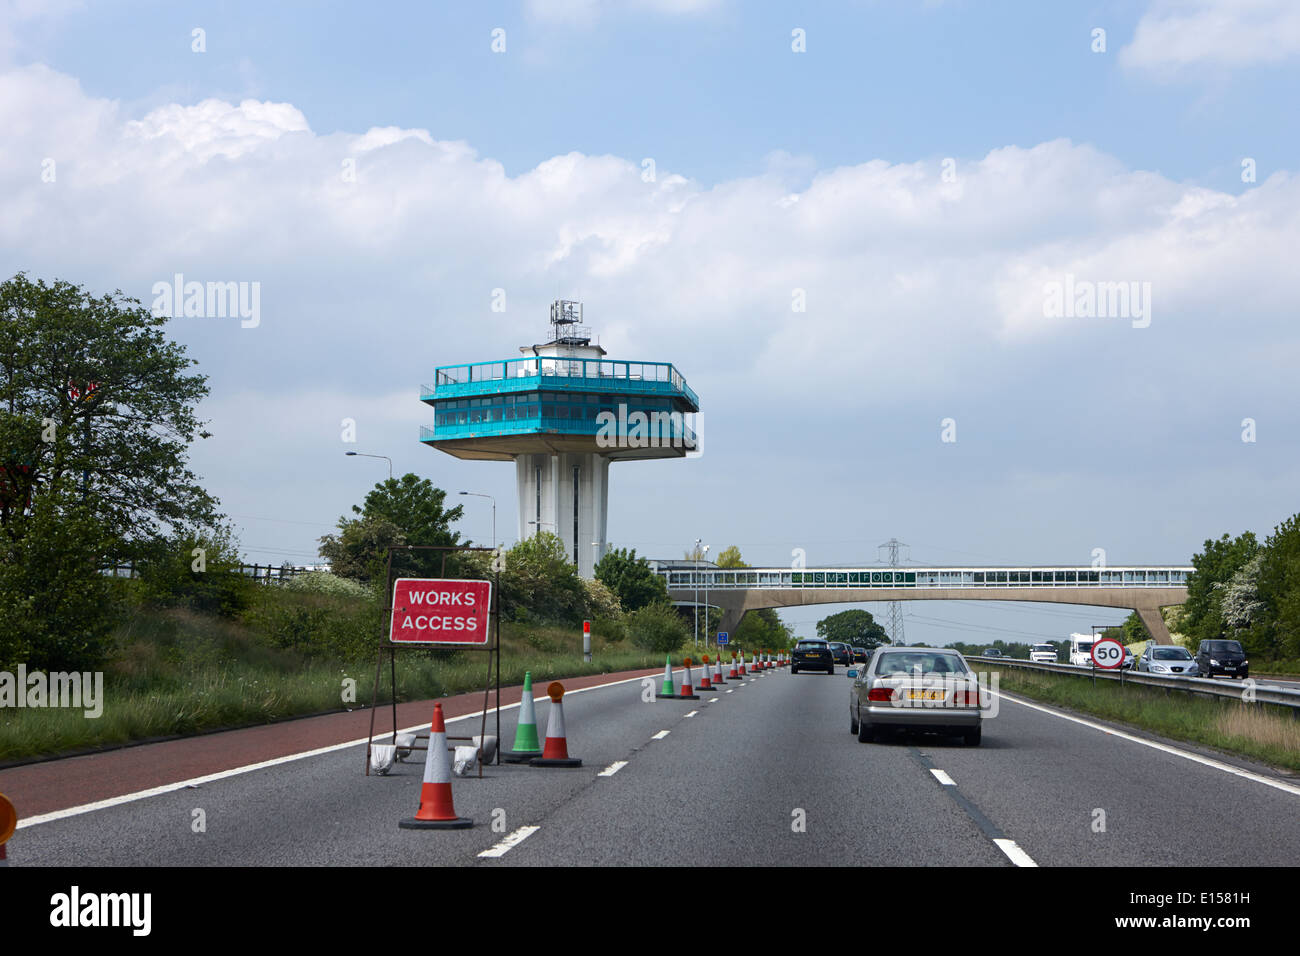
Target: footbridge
(736,591)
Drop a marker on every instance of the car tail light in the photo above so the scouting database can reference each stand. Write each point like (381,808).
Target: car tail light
(966,698)
(881,694)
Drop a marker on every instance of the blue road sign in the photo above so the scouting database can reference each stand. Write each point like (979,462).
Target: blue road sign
(723,637)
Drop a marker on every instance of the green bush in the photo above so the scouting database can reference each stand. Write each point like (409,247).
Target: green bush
(322,582)
(657,628)
(195,571)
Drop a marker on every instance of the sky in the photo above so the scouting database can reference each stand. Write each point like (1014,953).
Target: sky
(844,223)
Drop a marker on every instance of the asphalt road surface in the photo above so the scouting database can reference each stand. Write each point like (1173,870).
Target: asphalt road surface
(764,773)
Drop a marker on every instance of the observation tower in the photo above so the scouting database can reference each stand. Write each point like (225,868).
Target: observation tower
(563,413)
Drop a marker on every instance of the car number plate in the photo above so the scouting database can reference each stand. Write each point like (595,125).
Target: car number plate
(926,695)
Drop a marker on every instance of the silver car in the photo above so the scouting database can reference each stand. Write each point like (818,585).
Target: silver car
(1167,660)
(916,688)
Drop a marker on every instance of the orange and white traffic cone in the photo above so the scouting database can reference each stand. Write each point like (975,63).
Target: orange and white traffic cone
(705,683)
(735,674)
(688,679)
(555,753)
(436,810)
(718,679)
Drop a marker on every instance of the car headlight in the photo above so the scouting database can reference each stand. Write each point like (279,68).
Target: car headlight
(1214,663)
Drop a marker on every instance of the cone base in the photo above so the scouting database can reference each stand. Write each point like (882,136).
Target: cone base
(519,756)
(667,696)
(459,823)
(555,762)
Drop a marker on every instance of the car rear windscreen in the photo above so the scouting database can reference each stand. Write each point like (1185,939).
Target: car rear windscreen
(907,662)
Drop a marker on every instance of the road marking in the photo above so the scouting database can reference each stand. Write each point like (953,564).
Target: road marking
(714,700)
(731,690)
(511,841)
(1164,748)
(661,735)
(1017,856)
(613,768)
(692,713)
(275,761)
(986,826)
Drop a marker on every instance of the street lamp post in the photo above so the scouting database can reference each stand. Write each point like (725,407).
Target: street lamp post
(476,494)
(706,601)
(695,580)
(353,454)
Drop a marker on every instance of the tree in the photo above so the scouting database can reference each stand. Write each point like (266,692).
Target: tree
(418,510)
(631,579)
(57,611)
(540,584)
(730,558)
(399,511)
(855,627)
(360,550)
(1213,568)
(762,628)
(96,403)
(1278,633)
(657,628)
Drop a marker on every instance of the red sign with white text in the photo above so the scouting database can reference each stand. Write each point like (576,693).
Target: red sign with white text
(438,611)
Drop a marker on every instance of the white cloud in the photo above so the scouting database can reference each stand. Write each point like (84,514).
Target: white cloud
(1176,34)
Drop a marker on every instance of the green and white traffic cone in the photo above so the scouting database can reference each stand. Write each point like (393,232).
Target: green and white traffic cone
(668,691)
(527,745)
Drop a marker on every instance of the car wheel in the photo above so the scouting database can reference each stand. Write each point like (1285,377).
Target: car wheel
(865,733)
(972,737)
(793,669)
(853,723)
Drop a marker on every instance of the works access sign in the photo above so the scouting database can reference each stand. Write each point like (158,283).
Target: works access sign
(437,611)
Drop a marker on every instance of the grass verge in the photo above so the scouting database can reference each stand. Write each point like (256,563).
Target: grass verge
(1260,731)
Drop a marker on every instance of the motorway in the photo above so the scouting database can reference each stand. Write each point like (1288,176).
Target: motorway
(727,780)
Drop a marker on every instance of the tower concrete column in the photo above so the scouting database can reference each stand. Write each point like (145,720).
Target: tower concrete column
(567,495)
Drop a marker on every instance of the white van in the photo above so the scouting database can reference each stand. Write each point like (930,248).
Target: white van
(1081,649)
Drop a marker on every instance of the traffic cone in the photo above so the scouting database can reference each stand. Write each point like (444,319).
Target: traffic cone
(556,752)
(8,824)
(705,683)
(687,691)
(526,745)
(735,674)
(718,679)
(667,692)
(436,811)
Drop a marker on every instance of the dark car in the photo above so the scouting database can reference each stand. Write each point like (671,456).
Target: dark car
(860,654)
(1222,657)
(812,654)
(842,653)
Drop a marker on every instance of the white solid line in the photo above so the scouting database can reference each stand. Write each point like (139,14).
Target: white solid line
(1017,856)
(613,768)
(1164,748)
(513,840)
(661,735)
(221,775)
(691,714)
(943,778)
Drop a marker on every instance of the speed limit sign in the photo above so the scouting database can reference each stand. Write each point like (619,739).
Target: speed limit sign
(1108,653)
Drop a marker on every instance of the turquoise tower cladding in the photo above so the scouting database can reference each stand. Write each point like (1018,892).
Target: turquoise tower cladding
(563,412)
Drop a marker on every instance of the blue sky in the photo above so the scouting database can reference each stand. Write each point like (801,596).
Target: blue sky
(820,171)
